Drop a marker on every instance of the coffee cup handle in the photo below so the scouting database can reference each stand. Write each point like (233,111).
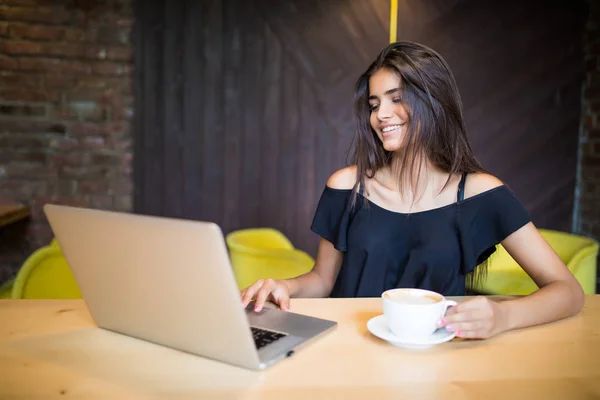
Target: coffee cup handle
(449,303)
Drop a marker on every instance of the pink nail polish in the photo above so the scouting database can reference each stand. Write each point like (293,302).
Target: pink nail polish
(449,328)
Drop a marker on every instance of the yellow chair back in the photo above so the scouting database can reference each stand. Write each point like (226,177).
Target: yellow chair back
(579,254)
(45,275)
(262,253)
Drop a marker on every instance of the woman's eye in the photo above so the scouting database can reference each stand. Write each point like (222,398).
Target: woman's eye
(397,100)
(373,107)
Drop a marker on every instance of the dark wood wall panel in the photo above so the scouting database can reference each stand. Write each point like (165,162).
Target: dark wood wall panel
(208,63)
(195,119)
(243,109)
(519,67)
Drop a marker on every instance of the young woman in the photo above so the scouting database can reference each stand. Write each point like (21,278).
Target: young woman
(417,209)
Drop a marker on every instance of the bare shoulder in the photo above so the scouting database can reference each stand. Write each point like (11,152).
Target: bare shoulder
(344,178)
(480,182)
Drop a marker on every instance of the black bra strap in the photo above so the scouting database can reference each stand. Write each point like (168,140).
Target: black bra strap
(461,187)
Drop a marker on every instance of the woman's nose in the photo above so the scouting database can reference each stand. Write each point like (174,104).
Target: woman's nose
(384,112)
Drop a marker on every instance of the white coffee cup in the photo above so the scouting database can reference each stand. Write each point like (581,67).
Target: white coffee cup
(413,314)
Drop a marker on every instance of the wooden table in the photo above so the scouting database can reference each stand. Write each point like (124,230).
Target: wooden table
(51,349)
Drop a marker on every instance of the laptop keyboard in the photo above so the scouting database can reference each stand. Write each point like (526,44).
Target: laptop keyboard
(263,337)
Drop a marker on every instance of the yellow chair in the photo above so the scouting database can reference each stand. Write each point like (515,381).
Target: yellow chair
(579,254)
(261,253)
(45,275)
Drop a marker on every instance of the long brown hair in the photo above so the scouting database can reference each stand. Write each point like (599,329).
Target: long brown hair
(435,126)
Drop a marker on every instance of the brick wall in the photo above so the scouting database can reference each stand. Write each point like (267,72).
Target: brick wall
(587,211)
(65,109)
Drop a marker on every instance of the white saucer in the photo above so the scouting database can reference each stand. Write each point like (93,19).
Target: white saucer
(378,326)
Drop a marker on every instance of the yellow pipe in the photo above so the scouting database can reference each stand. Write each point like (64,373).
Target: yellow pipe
(393,20)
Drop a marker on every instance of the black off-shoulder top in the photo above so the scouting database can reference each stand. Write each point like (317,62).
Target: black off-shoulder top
(432,249)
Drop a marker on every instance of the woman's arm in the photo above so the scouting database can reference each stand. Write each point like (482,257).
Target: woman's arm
(559,296)
(319,281)
(316,283)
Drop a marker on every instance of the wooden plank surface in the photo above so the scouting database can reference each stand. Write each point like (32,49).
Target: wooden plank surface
(51,349)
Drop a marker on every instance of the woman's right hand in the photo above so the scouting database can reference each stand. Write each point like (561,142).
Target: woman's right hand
(267,290)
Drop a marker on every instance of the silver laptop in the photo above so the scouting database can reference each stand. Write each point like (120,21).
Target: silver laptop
(170,282)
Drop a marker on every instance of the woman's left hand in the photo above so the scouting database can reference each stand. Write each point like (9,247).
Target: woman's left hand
(478,318)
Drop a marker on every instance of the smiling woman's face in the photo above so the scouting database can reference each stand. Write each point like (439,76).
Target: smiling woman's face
(389,118)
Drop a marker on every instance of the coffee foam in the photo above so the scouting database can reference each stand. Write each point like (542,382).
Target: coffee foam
(408,298)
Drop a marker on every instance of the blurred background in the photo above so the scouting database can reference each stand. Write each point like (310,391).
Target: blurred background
(237,111)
